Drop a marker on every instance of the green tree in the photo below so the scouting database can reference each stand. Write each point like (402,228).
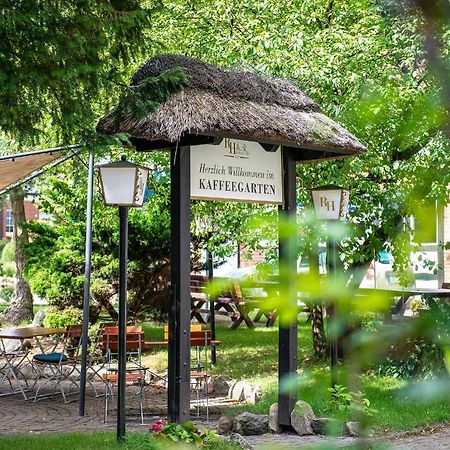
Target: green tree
(60,60)
(365,63)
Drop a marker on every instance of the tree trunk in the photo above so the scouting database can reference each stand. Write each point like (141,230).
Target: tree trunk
(319,337)
(21,307)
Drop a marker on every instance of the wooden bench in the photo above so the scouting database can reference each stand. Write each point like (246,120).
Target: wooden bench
(196,338)
(230,302)
(199,297)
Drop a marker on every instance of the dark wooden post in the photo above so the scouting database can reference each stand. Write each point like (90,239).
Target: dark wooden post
(287,341)
(180,307)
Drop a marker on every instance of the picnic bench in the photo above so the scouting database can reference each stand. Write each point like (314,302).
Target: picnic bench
(230,302)
(399,297)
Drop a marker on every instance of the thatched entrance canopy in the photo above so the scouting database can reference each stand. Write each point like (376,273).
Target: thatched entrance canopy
(215,103)
(175,102)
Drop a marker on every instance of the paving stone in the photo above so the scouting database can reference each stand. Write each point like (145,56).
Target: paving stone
(51,415)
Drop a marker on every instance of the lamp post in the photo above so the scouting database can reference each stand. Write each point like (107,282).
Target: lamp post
(331,204)
(123,185)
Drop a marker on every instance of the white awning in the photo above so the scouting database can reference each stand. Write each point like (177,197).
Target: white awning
(14,168)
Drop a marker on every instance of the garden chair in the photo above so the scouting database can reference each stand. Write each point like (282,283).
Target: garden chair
(135,372)
(56,367)
(200,369)
(200,363)
(11,361)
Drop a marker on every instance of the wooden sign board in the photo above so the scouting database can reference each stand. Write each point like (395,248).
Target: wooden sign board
(236,170)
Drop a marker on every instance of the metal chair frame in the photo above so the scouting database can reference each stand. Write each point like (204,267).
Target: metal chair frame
(62,369)
(10,364)
(200,374)
(134,373)
(200,361)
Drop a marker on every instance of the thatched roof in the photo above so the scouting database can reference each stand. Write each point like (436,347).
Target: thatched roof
(221,103)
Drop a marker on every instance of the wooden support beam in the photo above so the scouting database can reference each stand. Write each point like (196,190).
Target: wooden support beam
(180,303)
(287,341)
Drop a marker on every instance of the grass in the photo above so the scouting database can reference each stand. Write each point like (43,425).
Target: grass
(252,354)
(91,441)
(74,441)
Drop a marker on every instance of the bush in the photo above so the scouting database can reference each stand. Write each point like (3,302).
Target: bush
(56,318)
(185,433)
(6,293)
(344,402)
(8,258)
(413,358)
(9,269)
(3,243)
(8,253)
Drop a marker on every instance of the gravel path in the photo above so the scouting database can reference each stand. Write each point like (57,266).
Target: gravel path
(430,438)
(52,415)
(18,416)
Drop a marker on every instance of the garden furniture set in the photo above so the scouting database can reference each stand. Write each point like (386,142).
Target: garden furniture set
(54,357)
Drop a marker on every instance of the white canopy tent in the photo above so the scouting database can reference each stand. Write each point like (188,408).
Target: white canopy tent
(21,168)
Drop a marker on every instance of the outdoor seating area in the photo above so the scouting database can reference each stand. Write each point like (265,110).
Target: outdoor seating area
(44,364)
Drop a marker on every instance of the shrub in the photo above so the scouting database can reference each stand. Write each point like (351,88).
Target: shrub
(421,354)
(8,257)
(58,319)
(8,253)
(3,243)
(9,269)
(413,358)
(6,293)
(345,403)
(184,433)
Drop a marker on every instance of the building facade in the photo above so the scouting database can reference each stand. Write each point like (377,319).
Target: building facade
(6,221)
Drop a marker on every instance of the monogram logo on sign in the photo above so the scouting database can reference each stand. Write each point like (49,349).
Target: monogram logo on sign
(235,149)
(329,204)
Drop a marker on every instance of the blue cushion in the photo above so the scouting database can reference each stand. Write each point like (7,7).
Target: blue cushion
(51,357)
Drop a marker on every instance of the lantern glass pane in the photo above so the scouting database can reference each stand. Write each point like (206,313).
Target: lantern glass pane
(141,185)
(118,185)
(327,203)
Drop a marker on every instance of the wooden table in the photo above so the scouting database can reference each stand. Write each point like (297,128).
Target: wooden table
(198,302)
(13,360)
(194,342)
(29,332)
(403,294)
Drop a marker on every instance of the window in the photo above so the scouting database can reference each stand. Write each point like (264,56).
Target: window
(9,221)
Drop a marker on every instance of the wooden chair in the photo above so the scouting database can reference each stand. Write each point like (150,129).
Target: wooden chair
(135,372)
(200,361)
